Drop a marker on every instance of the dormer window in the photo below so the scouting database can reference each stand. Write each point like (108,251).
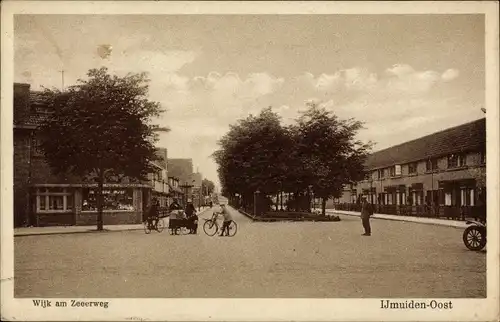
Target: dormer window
(456,160)
(412,168)
(395,170)
(431,164)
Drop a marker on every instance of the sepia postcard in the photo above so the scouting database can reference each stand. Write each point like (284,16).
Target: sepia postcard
(250,161)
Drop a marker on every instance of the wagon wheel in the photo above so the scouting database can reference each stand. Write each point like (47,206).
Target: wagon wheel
(147,230)
(160,225)
(474,238)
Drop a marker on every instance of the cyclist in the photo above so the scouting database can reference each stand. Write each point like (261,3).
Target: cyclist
(153,214)
(227,220)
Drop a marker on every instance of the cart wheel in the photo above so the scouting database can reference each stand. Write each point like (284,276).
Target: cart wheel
(183,231)
(160,225)
(474,238)
(146,228)
(233,228)
(210,228)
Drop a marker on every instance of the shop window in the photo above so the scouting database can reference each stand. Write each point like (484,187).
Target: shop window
(54,199)
(113,199)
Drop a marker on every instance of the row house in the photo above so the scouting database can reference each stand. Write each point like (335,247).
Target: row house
(443,174)
(42,198)
(175,192)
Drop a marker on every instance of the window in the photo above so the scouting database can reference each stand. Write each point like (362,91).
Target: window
(483,157)
(395,171)
(456,160)
(113,199)
(431,165)
(54,200)
(381,173)
(466,196)
(412,168)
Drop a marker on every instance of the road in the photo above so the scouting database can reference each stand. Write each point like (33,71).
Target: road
(263,260)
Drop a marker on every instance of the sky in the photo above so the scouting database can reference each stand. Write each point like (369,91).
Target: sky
(404,76)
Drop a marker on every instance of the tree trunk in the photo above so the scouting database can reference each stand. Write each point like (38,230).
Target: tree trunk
(100,185)
(323,206)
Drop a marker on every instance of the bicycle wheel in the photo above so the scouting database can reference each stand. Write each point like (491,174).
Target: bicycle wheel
(147,229)
(210,228)
(232,229)
(160,225)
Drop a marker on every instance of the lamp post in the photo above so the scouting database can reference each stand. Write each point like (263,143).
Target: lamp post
(255,202)
(371,190)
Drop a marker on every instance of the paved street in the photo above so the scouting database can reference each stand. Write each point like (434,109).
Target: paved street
(263,260)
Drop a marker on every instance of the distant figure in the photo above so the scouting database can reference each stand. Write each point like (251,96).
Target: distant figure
(153,214)
(174,205)
(366,213)
(191,217)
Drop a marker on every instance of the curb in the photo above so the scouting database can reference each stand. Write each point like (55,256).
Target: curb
(443,224)
(90,231)
(241,211)
(75,232)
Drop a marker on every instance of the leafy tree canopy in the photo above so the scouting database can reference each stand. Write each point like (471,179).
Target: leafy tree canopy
(208,186)
(102,125)
(320,151)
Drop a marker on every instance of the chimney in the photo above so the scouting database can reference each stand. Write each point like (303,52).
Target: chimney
(21,102)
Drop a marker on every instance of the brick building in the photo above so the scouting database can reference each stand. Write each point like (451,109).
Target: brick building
(42,198)
(442,174)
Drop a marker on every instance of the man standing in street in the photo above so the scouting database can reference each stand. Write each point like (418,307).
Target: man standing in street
(227,220)
(366,213)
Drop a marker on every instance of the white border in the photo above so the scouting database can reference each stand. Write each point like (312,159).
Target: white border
(251,309)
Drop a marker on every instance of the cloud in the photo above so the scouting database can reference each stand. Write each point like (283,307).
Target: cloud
(400,70)
(450,74)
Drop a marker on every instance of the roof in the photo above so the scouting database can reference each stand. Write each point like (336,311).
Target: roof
(466,137)
(176,189)
(37,110)
(180,168)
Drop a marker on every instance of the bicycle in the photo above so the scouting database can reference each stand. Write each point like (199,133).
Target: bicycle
(158,225)
(211,227)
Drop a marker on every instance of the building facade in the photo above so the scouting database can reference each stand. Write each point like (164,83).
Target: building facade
(442,174)
(43,199)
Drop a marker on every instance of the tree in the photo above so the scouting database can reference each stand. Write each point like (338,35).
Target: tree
(101,127)
(253,155)
(327,154)
(207,187)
